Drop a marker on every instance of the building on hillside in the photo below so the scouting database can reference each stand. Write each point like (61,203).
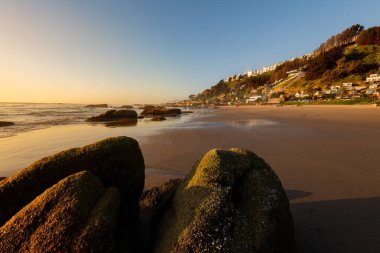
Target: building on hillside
(319,94)
(334,87)
(373,78)
(360,88)
(347,86)
(253,98)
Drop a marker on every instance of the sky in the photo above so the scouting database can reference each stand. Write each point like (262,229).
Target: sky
(125,52)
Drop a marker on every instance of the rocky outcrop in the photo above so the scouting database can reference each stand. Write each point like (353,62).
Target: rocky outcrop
(152,111)
(75,215)
(117,162)
(114,115)
(231,202)
(6,123)
(97,106)
(153,197)
(87,200)
(158,118)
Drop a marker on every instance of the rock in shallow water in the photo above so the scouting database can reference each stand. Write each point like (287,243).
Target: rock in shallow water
(6,123)
(151,111)
(114,115)
(231,202)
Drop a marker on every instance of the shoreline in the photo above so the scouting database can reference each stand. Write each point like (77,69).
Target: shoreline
(325,156)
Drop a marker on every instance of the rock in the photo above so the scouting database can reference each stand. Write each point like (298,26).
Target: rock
(152,111)
(74,215)
(6,123)
(114,115)
(232,201)
(127,107)
(153,197)
(185,112)
(158,118)
(2,178)
(97,235)
(140,117)
(147,107)
(122,123)
(117,162)
(97,106)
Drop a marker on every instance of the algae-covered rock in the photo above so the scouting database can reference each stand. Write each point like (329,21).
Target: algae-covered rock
(97,233)
(154,196)
(6,123)
(114,115)
(152,111)
(64,218)
(115,161)
(231,202)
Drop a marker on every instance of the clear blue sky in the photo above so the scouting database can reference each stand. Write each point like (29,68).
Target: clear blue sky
(155,51)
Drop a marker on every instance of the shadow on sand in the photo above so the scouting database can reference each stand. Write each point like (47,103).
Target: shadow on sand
(350,225)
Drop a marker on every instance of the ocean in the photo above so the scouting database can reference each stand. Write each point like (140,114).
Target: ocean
(33,116)
(44,129)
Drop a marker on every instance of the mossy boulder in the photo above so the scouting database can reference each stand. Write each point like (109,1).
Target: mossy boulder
(75,215)
(152,111)
(6,123)
(231,202)
(114,115)
(153,197)
(117,162)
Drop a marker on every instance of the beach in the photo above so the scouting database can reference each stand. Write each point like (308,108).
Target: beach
(325,156)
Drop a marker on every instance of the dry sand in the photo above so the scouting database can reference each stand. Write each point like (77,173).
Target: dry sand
(327,158)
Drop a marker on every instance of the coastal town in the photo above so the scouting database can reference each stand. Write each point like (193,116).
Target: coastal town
(277,92)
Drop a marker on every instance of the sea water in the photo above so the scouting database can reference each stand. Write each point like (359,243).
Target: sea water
(43,129)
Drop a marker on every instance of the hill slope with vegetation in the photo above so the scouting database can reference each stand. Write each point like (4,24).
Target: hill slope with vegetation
(348,57)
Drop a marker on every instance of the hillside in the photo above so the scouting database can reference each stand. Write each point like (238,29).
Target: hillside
(348,57)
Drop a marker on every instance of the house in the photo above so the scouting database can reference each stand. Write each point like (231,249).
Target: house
(319,94)
(253,98)
(373,78)
(334,87)
(359,88)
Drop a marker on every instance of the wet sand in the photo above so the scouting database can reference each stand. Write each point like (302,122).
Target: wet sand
(327,158)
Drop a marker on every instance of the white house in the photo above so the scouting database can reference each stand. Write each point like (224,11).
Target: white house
(373,78)
(253,98)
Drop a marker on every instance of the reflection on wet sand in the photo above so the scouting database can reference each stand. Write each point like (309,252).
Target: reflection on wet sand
(122,123)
